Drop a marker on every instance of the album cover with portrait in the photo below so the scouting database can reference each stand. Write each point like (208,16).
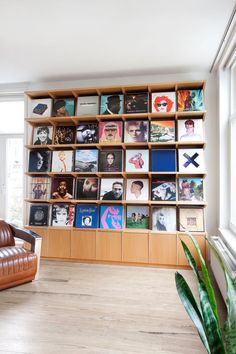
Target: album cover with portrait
(164,218)
(136,131)
(163,160)
(39,215)
(87,188)
(163,102)
(137,217)
(191,189)
(190,130)
(64,134)
(63,215)
(110,132)
(40,188)
(86,216)
(112,189)
(39,160)
(191,160)
(87,133)
(163,188)
(111,160)
(42,135)
(63,107)
(137,189)
(162,131)
(86,160)
(191,219)
(136,102)
(190,100)
(111,104)
(87,106)
(137,161)
(62,188)
(62,160)
(111,217)
(40,108)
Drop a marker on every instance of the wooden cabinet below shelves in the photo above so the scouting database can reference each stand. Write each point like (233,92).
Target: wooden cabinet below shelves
(162,249)
(180,253)
(83,244)
(135,247)
(108,245)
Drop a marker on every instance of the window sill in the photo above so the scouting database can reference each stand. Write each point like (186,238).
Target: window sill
(229,239)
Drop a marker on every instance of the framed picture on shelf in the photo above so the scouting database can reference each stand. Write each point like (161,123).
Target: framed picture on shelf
(39,160)
(40,188)
(136,131)
(191,189)
(137,217)
(111,104)
(190,100)
(164,218)
(191,219)
(62,188)
(63,215)
(42,135)
(64,135)
(62,160)
(137,160)
(190,130)
(162,131)
(191,160)
(111,160)
(110,132)
(87,105)
(87,133)
(87,188)
(86,216)
(86,160)
(112,189)
(137,189)
(136,102)
(163,160)
(41,108)
(39,214)
(63,107)
(164,188)
(163,102)
(111,217)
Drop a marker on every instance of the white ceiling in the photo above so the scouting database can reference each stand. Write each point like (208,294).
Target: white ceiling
(49,40)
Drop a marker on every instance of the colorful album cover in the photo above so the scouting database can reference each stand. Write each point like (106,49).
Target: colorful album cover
(63,107)
(87,106)
(136,131)
(136,102)
(191,160)
(41,108)
(164,188)
(163,102)
(163,160)
(62,188)
(42,135)
(190,100)
(87,133)
(111,217)
(137,217)
(164,218)
(190,130)
(64,135)
(162,131)
(62,160)
(191,219)
(39,160)
(110,132)
(39,214)
(63,215)
(137,189)
(86,160)
(112,189)
(111,160)
(40,188)
(111,104)
(87,188)
(137,161)
(191,189)
(86,216)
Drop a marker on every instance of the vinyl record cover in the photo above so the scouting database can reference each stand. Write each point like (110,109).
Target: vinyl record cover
(42,135)
(86,216)
(190,130)
(62,160)
(164,188)
(86,160)
(41,108)
(191,189)
(137,217)
(163,102)
(191,219)
(136,131)
(137,189)
(162,131)
(111,217)
(39,160)
(39,214)
(111,160)
(164,218)
(190,100)
(163,160)
(111,104)
(137,161)
(110,132)
(64,135)
(191,160)
(136,102)
(63,215)
(87,133)
(87,105)
(112,189)
(87,188)
(63,107)
(62,188)
(40,188)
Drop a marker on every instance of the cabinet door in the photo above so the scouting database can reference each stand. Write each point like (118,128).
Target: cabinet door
(108,245)
(43,232)
(83,244)
(59,243)
(162,249)
(135,247)
(181,256)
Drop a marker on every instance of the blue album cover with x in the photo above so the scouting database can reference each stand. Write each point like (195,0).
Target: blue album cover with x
(164,160)
(191,160)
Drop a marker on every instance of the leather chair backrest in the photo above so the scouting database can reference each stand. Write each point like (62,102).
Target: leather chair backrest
(6,237)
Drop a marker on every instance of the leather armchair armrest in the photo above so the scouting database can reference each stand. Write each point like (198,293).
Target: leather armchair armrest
(26,235)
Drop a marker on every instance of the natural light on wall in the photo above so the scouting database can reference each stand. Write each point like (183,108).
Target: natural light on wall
(12,117)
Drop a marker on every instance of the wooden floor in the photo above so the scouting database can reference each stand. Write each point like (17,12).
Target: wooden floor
(97,309)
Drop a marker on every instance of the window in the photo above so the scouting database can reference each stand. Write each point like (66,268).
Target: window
(232,125)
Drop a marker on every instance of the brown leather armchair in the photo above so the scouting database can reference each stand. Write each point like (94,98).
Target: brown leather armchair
(17,264)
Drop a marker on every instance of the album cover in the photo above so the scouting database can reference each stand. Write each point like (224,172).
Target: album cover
(191,219)
(63,215)
(190,130)
(111,104)
(190,100)
(163,102)
(87,105)
(40,188)
(137,161)
(111,160)
(164,188)
(62,160)
(112,189)
(86,160)
(86,216)
(110,132)
(39,214)
(137,217)
(87,188)
(39,160)
(163,160)
(162,131)
(164,218)
(191,189)
(87,133)
(62,188)
(63,107)
(42,135)
(136,131)
(64,135)
(41,108)
(137,189)
(111,217)
(191,160)
(136,102)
